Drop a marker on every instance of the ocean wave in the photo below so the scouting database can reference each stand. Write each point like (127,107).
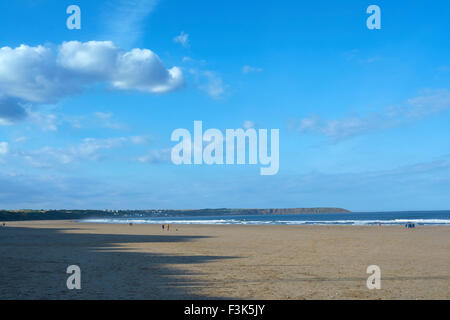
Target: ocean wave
(354,222)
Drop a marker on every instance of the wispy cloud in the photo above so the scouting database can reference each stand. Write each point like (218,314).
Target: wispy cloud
(107,121)
(247,69)
(89,149)
(4,148)
(124,20)
(355,55)
(351,54)
(248,124)
(443,69)
(213,85)
(45,121)
(209,82)
(156,156)
(183,39)
(429,103)
(369,189)
(204,78)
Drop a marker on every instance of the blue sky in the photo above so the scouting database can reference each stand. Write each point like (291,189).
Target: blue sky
(363,114)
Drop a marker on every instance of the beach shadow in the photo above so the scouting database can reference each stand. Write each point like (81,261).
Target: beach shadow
(34,262)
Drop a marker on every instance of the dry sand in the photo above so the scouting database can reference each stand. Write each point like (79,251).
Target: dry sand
(233,261)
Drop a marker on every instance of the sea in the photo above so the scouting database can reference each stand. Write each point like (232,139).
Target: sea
(351,219)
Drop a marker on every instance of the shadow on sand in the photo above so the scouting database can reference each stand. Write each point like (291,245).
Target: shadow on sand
(33,265)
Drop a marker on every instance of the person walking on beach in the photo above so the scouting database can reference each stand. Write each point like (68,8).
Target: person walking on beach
(167,227)
(162,227)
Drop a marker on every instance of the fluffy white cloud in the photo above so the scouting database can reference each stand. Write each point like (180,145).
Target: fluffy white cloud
(43,75)
(143,70)
(97,59)
(138,69)
(31,74)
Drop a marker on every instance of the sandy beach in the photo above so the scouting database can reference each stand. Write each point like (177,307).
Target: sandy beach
(217,262)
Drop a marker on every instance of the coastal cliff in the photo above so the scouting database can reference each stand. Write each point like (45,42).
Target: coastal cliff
(301,211)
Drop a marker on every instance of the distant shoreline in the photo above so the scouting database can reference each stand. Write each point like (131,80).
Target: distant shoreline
(25,214)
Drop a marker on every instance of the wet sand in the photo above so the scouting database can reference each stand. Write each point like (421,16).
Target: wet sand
(216,262)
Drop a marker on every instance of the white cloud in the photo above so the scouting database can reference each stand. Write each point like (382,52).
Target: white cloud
(212,84)
(45,121)
(371,59)
(248,69)
(138,69)
(106,121)
(205,79)
(342,128)
(124,20)
(156,156)
(4,148)
(89,149)
(32,74)
(429,103)
(248,124)
(142,70)
(20,139)
(103,115)
(351,54)
(183,39)
(92,59)
(356,55)
(90,146)
(40,75)
(140,139)
(49,157)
